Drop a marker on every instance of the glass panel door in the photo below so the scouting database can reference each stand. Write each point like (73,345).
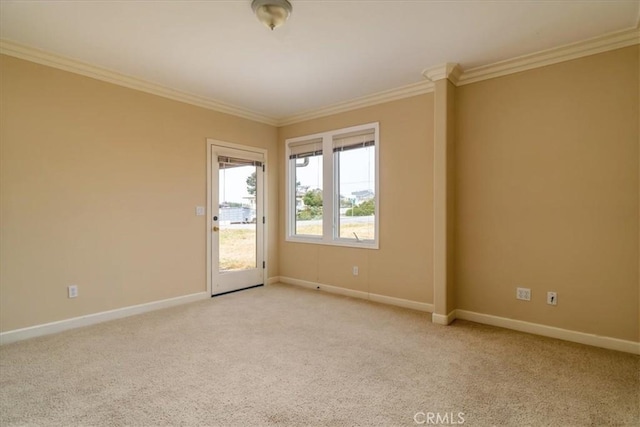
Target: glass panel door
(237,232)
(238,224)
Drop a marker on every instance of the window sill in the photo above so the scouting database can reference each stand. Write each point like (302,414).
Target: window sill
(341,242)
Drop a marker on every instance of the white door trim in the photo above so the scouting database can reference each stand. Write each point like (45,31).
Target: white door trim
(210,144)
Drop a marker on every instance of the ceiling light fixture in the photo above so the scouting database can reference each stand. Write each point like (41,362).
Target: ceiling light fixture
(272,13)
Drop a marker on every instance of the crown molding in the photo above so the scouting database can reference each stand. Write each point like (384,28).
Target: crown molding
(607,42)
(407,91)
(460,77)
(448,70)
(452,71)
(67,64)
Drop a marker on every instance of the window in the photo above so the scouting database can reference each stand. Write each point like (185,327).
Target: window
(332,187)
(305,160)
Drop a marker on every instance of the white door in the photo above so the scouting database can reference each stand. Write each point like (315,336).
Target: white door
(237,219)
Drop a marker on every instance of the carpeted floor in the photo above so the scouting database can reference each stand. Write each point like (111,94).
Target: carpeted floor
(287,356)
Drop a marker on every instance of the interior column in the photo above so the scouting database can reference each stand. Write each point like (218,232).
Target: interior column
(444,78)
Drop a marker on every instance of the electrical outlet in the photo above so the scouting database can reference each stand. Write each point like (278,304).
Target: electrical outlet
(523,294)
(552,298)
(72,291)
(355,270)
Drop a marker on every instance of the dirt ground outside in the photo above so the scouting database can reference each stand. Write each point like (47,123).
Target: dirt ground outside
(238,242)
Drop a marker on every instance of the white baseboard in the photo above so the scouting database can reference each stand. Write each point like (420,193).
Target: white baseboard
(91,319)
(441,319)
(399,302)
(550,331)
(503,322)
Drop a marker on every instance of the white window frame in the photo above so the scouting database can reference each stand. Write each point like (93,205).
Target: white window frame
(330,191)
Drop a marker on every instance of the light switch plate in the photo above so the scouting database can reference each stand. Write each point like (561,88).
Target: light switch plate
(200,210)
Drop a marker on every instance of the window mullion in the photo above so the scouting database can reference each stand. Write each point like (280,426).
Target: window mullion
(328,188)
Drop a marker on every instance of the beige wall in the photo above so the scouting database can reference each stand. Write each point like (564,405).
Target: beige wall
(99,187)
(547,194)
(403,266)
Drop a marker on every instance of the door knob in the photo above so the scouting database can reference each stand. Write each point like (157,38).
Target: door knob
(216,228)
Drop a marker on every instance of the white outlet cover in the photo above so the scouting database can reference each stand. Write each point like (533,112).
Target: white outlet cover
(523,294)
(72,291)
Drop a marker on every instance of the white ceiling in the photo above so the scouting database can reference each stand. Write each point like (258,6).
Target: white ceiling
(328,51)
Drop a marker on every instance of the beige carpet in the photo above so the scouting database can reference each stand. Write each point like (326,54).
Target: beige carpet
(287,356)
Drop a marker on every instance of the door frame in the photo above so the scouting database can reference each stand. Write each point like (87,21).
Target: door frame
(265,231)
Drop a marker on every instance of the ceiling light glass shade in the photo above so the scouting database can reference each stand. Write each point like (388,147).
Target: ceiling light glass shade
(272,13)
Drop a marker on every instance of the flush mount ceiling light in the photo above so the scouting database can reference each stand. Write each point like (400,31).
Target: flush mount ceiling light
(272,13)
